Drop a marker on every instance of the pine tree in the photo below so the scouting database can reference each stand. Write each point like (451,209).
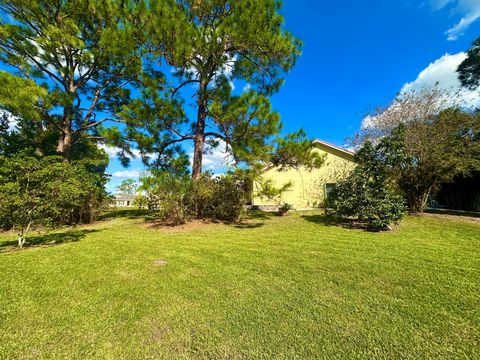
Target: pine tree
(210,45)
(84,52)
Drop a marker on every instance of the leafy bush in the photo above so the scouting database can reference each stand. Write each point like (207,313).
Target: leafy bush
(285,207)
(176,199)
(228,198)
(140,201)
(168,197)
(366,195)
(47,191)
(201,202)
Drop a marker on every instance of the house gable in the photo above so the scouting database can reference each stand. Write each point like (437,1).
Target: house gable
(309,187)
(334,149)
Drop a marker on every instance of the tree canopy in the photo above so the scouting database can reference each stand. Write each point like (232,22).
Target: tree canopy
(217,42)
(127,186)
(124,73)
(430,142)
(83,52)
(469,69)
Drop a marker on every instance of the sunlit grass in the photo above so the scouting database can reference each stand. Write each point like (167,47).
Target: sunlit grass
(278,287)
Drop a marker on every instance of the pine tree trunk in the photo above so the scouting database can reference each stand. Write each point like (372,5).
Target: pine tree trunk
(65,141)
(199,134)
(64,145)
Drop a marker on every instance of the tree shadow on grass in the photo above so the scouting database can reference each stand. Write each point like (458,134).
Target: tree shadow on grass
(119,213)
(260,215)
(333,221)
(248,225)
(44,240)
(254,219)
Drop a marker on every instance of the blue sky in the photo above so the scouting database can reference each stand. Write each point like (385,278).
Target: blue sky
(357,55)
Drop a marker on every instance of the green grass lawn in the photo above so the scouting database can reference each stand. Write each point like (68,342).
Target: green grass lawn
(273,288)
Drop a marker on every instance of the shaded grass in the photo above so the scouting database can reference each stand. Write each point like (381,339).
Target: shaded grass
(328,220)
(289,288)
(9,243)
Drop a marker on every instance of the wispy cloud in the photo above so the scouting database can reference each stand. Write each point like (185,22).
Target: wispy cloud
(127,174)
(113,151)
(469,10)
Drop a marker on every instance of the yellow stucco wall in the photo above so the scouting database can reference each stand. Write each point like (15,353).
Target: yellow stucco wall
(308,188)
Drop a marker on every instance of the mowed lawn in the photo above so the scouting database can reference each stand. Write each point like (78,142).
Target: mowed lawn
(276,287)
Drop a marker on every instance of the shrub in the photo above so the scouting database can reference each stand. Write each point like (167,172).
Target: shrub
(176,199)
(228,198)
(285,208)
(140,201)
(168,197)
(366,195)
(46,191)
(201,203)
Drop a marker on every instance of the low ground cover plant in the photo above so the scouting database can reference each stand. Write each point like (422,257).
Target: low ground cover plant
(284,208)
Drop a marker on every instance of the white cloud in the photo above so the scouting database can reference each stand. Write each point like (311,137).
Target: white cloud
(443,72)
(110,150)
(369,122)
(113,151)
(247,87)
(215,159)
(439,4)
(226,69)
(127,174)
(12,119)
(469,10)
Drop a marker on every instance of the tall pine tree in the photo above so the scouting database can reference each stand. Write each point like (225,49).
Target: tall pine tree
(211,44)
(85,52)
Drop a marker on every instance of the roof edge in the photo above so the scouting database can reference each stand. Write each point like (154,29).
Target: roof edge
(333,146)
(268,167)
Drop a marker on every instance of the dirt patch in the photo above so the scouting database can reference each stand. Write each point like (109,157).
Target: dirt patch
(193,225)
(199,225)
(160,262)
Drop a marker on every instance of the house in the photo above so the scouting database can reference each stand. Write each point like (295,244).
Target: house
(123,200)
(308,188)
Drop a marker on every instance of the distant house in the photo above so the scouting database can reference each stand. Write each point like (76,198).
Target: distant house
(123,200)
(309,188)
